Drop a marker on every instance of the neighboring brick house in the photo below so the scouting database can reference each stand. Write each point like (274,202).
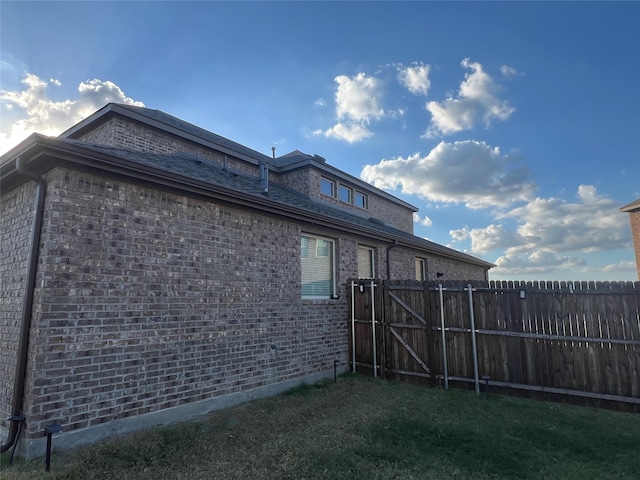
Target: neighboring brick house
(156,271)
(634,218)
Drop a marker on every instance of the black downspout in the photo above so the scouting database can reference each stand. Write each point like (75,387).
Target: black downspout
(395,244)
(27,303)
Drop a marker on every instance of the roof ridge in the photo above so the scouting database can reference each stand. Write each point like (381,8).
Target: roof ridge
(193,129)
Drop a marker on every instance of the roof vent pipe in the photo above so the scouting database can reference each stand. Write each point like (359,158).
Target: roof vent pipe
(225,163)
(264,177)
(273,152)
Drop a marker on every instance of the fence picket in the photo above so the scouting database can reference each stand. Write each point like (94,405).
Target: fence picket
(579,338)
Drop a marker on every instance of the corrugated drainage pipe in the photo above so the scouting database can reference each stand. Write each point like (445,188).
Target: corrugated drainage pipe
(25,325)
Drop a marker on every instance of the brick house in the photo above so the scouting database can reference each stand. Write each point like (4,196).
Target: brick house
(634,218)
(153,271)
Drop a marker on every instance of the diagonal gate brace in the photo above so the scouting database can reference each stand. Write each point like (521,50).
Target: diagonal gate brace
(410,350)
(408,308)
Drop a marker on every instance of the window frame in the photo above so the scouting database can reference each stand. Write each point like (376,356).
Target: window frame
(372,259)
(332,267)
(348,190)
(362,195)
(327,181)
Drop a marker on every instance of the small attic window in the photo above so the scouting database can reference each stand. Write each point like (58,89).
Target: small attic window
(327,187)
(360,200)
(345,194)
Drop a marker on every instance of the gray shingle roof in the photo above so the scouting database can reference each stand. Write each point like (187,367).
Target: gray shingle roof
(191,129)
(213,174)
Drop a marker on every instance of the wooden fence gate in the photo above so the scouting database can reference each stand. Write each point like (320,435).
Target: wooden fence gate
(391,329)
(574,340)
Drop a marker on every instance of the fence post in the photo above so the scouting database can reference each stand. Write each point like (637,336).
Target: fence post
(353,327)
(473,340)
(444,345)
(373,330)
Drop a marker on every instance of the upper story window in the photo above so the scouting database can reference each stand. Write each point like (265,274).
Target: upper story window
(328,187)
(360,200)
(318,269)
(366,262)
(345,194)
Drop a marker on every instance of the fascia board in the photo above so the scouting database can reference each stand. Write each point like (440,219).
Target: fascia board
(336,172)
(114,109)
(635,205)
(106,112)
(46,153)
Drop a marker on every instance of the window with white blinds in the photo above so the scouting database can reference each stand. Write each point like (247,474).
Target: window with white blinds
(318,268)
(366,264)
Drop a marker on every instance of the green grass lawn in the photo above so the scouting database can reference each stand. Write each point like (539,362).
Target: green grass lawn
(360,428)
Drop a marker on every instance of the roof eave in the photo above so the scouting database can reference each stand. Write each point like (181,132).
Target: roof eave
(48,152)
(635,205)
(111,109)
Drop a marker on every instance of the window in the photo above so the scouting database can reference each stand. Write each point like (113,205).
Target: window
(361,200)
(366,263)
(421,269)
(344,194)
(328,187)
(318,267)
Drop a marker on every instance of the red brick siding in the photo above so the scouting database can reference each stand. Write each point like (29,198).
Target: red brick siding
(634,219)
(125,133)
(149,300)
(403,266)
(378,207)
(16,219)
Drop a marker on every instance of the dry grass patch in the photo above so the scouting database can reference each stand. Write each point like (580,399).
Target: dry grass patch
(360,428)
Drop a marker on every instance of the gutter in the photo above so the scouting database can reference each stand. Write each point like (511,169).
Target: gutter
(66,153)
(27,304)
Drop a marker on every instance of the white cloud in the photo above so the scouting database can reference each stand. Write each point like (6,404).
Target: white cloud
(459,234)
(357,104)
(415,78)
(593,223)
(466,172)
(357,98)
(32,111)
(548,229)
(509,71)
(424,221)
(486,239)
(538,262)
(616,267)
(351,133)
(476,101)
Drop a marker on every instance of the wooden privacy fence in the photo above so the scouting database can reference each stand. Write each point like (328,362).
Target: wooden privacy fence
(578,339)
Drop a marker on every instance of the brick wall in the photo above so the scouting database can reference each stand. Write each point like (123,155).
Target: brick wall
(403,266)
(298,180)
(634,219)
(403,263)
(378,207)
(126,133)
(16,218)
(149,300)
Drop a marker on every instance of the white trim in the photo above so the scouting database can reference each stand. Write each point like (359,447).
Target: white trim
(332,266)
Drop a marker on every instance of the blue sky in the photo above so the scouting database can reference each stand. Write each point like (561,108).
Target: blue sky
(514,127)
